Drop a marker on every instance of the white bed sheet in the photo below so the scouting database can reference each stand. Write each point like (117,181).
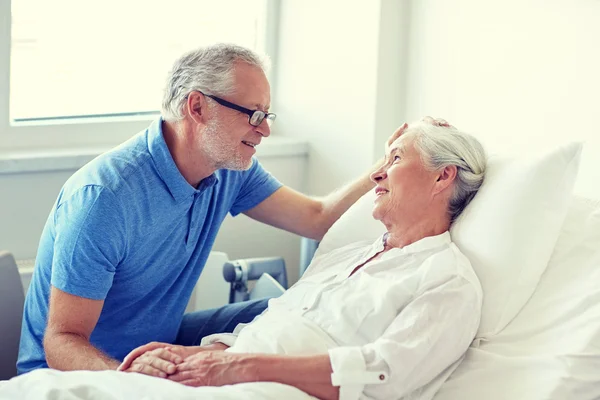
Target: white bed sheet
(551,350)
(46,384)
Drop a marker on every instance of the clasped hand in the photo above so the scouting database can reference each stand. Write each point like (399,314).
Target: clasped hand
(192,366)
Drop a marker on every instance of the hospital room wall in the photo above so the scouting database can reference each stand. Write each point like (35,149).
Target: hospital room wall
(26,199)
(521,75)
(339,83)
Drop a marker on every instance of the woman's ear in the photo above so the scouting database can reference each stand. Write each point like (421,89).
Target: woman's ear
(445,178)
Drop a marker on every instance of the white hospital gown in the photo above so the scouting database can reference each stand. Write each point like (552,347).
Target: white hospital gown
(395,329)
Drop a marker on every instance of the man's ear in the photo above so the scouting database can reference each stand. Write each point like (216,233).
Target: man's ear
(445,178)
(196,107)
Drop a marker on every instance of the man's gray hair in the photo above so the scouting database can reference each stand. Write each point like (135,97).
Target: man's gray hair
(441,147)
(207,69)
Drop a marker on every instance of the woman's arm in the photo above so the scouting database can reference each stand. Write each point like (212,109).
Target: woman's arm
(429,335)
(311,374)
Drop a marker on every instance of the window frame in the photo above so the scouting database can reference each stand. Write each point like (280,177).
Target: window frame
(89,132)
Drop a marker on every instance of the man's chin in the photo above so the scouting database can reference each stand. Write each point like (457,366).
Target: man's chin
(247,166)
(237,165)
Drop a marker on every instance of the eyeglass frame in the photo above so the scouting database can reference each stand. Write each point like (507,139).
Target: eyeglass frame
(270,117)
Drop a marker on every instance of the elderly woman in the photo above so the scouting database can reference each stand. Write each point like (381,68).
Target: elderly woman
(383,320)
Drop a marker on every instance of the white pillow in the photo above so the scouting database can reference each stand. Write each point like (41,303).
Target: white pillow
(510,228)
(552,347)
(355,225)
(507,232)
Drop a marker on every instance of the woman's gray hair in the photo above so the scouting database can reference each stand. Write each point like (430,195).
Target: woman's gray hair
(207,69)
(441,147)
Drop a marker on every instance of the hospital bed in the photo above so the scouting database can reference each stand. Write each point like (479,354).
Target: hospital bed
(536,251)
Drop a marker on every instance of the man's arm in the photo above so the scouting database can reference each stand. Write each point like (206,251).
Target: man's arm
(310,217)
(306,216)
(89,243)
(71,320)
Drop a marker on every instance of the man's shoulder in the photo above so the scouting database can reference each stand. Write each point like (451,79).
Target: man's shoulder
(116,169)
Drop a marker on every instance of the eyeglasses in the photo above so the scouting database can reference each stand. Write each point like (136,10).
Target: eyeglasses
(255,117)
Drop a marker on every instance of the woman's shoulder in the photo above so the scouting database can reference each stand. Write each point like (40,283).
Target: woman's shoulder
(451,265)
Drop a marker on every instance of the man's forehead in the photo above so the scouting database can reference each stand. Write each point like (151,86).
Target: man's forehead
(256,99)
(252,86)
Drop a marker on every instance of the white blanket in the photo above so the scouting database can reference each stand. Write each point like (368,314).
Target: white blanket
(46,384)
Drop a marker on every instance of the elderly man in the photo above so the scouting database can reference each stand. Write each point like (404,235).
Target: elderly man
(130,232)
(373,320)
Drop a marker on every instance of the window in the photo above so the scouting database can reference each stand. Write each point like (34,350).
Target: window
(73,59)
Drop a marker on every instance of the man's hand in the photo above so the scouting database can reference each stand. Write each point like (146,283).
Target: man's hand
(397,133)
(213,368)
(160,359)
(437,122)
(156,359)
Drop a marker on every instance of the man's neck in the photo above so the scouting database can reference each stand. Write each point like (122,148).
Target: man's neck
(193,165)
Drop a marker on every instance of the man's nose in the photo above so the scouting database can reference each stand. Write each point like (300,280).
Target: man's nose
(264,129)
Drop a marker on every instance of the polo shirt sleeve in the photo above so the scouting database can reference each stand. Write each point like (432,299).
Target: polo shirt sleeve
(258,184)
(89,242)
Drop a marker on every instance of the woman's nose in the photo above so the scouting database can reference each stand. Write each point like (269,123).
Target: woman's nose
(378,175)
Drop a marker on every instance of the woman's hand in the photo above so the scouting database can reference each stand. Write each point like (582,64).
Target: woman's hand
(213,368)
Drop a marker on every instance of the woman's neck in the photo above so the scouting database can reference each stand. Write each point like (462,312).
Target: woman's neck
(402,235)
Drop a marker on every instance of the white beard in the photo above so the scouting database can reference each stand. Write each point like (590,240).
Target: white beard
(223,154)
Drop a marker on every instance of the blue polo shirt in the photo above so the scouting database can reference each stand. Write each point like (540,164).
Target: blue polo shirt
(128,229)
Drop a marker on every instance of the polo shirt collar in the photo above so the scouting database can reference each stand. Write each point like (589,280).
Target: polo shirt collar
(179,188)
